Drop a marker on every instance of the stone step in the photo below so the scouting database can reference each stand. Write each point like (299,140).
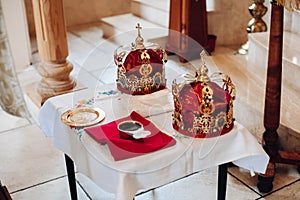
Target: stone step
(249,104)
(288,17)
(121,29)
(294,23)
(256,69)
(155,11)
(258,58)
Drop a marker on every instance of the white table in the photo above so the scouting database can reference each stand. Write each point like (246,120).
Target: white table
(126,178)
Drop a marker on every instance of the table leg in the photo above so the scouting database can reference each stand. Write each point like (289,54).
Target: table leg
(222,181)
(71,177)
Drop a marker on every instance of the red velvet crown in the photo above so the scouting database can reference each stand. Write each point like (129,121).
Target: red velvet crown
(140,69)
(203,108)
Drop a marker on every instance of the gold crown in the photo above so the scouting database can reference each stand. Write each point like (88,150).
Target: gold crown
(202,108)
(141,67)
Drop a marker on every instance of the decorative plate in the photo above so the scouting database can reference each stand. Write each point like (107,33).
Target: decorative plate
(82,116)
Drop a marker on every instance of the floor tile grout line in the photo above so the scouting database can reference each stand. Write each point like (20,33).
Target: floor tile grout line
(13,129)
(86,193)
(245,184)
(41,183)
(278,189)
(83,39)
(75,34)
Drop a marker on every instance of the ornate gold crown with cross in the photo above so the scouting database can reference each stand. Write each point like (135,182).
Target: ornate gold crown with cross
(141,67)
(203,108)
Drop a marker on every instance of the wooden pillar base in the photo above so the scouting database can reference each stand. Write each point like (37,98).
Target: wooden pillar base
(56,79)
(38,100)
(265,181)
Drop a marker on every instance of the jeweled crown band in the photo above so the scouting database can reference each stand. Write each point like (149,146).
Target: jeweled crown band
(141,67)
(202,108)
(141,71)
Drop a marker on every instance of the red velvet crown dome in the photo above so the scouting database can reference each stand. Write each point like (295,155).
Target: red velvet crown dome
(140,67)
(203,108)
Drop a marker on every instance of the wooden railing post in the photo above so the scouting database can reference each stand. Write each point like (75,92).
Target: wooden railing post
(53,49)
(273,102)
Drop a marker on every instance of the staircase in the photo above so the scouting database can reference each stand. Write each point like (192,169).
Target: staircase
(152,15)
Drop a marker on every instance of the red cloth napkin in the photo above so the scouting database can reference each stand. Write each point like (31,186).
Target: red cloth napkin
(123,148)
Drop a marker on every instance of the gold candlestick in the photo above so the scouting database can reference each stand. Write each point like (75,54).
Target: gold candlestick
(256,24)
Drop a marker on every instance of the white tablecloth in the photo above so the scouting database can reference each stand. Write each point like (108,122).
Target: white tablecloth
(126,177)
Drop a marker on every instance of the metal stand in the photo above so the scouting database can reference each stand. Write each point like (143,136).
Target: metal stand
(71,177)
(222,181)
(256,24)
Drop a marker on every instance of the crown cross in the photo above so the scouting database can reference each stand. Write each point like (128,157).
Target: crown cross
(138,27)
(139,41)
(202,56)
(202,71)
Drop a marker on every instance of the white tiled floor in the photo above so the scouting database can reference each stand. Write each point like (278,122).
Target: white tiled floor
(54,189)
(9,122)
(33,169)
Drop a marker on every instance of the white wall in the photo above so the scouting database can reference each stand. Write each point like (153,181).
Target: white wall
(17,31)
(89,11)
(229,21)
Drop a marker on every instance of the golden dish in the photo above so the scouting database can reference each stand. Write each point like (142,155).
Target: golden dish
(83,116)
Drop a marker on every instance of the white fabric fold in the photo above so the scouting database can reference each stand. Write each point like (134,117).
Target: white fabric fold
(153,104)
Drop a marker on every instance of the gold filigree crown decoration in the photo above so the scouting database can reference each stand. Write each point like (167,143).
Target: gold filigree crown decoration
(203,105)
(140,66)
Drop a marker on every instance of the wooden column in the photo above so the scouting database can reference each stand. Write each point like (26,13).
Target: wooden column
(273,102)
(53,49)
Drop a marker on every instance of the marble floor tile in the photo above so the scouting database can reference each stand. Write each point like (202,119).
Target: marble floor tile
(107,75)
(285,174)
(98,59)
(288,192)
(28,158)
(91,33)
(77,69)
(57,189)
(78,48)
(107,46)
(29,76)
(32,108)
(86,79)
(8,122)
(92,190)
(202,185)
